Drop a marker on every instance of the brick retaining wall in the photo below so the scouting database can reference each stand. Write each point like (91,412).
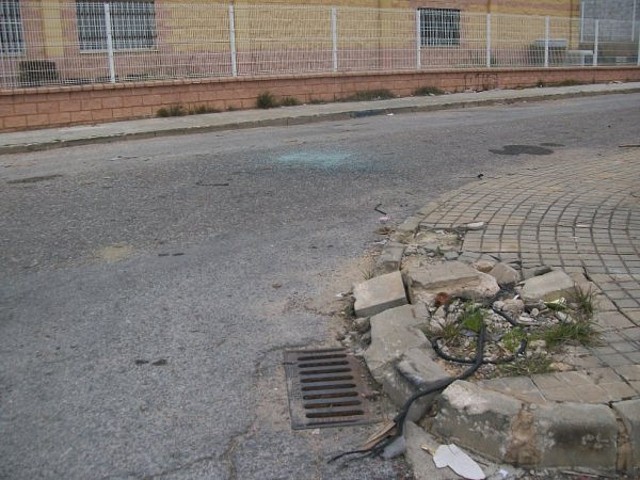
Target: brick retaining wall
(57,106)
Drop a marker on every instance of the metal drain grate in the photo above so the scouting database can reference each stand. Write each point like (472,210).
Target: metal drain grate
(325,389)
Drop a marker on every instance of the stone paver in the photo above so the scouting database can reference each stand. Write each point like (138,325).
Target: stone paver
(379,294)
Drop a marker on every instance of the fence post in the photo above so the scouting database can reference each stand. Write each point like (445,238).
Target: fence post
(232,41)
(107,25)
(334,37)
(546,42)
(488,40)
(639,50)
(596,43)
(418,41)
(581,21)
(633,20)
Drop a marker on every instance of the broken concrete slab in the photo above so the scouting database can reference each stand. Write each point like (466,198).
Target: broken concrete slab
(571,434)
(548,287)
(379,294)
(392,333)
(475,418)
(391,257)
(415,370)
(455,278)
(442,276)
(629,413)
(505,275)
(485,288)
(529,435)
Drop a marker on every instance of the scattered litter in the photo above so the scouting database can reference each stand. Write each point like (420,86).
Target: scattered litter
(557,305)
(205,184)
(315,431)
(453,457)
(390,114)
(503,473)
(475,226)
(384,219)
(377,209)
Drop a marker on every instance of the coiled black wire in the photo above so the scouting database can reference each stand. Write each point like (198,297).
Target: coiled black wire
(401,417)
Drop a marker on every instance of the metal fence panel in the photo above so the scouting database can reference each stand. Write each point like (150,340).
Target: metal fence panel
(49,42)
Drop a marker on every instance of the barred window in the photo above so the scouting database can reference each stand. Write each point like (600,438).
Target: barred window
(439,26)
(133,24)
(11,37)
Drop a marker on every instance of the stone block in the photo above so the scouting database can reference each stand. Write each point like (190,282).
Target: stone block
(391,257)
(548,287)
(379,294)
(538,436)
(505,275)
(392,333)
(571,434)
(455,278)
(476,418)
(415,370)
(442,276)
(629,412)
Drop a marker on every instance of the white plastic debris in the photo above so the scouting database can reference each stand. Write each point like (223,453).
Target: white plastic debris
(475,226)
(453,457)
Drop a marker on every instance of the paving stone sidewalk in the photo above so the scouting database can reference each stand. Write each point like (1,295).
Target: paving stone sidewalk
(581,216)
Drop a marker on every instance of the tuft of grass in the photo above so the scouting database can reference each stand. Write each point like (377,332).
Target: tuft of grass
(368,271)
(266,100)
(289,102)
(201,109)
(179,111)
(472,318)
(172,111)
(365,95)
(579,332)
(526,366)
(427,91)
(448,331)
(585,304)
(513,338)
(316,101)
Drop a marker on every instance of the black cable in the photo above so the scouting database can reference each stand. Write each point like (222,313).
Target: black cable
(436,347)
(400,418)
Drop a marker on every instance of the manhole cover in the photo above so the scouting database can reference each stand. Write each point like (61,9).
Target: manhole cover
(325,389)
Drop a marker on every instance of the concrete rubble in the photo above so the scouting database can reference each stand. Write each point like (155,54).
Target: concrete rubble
(512,421)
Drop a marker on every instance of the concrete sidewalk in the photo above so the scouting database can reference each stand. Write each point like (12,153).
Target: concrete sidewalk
(16,142)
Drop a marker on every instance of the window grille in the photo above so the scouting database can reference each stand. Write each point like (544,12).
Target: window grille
(11,36)
(439,26)
(133,25)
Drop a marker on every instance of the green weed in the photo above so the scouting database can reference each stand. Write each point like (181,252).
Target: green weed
(266,100)
(365,95)
(289,102)
(427,91)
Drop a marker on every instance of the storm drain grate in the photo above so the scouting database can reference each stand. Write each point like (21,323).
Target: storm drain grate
(325,388)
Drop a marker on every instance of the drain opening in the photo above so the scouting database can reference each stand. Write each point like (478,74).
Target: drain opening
(325,389)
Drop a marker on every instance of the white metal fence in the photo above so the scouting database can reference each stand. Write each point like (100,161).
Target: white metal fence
(87,41)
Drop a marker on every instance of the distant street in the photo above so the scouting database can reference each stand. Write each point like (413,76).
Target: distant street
(148,288)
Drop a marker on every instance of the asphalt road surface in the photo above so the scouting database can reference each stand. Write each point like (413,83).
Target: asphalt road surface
(148,288)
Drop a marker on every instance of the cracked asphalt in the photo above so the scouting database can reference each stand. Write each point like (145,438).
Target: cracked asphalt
(148,288)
